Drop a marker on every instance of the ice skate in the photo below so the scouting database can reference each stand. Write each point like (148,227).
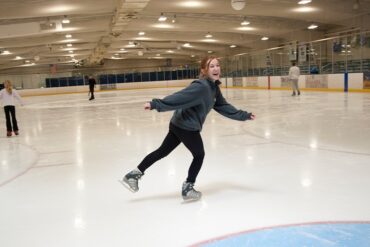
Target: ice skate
(189,193)
(131,180)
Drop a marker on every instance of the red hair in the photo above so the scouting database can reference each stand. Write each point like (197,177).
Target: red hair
(204,65)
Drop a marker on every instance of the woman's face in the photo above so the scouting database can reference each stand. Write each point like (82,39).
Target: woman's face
(214,70)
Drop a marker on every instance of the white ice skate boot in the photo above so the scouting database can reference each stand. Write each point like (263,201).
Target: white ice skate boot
(189,193)
(131,180)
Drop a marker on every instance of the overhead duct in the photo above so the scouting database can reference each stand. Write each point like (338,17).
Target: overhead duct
(48,26)
(126,11)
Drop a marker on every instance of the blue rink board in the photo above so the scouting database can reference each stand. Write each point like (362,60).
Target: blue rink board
(312,235)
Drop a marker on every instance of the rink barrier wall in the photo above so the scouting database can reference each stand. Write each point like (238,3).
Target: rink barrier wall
(334,82)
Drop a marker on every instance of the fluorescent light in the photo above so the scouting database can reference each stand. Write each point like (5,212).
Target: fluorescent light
(162,18)
(304,1)
(304,9)
(163,25)
(209,40)
(245,23)
(246,28)
(232,46)
(65,20)
(312,26)
(68,36)
(141,33)
(264,38)
(192,4)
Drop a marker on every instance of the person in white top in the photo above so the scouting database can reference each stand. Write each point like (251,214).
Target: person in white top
(7,97)
(294,74)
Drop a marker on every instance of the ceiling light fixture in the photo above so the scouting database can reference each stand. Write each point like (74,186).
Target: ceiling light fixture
(304,1)
(162,18)
(141,33)
(65,20)
(264,38)
(208,35)
(312,26)
(245,22)
(174,19)
(232,46)
(68,36)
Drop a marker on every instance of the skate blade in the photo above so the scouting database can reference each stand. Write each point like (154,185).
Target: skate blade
(189,200)
(126,186)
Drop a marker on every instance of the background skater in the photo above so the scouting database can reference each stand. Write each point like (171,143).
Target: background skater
(8,95)
(92,83)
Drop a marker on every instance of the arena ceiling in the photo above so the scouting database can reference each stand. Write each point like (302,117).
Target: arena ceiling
(32,32)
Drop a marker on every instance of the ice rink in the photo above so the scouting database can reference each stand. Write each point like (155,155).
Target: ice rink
(303,160)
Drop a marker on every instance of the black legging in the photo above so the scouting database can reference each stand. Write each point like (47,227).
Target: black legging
(192,141)
(10,112)
(91,87)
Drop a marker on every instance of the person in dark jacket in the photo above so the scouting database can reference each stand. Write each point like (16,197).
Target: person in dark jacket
(92,83)
(191,106)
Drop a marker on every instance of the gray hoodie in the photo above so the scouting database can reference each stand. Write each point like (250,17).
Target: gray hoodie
(193,103)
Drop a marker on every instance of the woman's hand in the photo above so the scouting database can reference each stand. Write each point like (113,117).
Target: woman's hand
(147,106)
(251,116)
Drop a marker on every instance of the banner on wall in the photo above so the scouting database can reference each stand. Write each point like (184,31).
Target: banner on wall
(302,54)
(251,82)
(268,60)
(367,80)
(53,68)
(293,52)
(237,81)
(285,81)
(316,81)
